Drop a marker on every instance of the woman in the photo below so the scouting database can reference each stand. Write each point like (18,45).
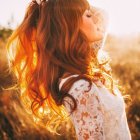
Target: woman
(53,56)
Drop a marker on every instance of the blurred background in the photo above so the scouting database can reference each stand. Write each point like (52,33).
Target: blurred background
(122,44)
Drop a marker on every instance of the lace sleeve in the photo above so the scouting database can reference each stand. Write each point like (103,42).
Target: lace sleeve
(88,117)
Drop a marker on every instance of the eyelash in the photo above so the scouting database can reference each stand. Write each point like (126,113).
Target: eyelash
(89,16)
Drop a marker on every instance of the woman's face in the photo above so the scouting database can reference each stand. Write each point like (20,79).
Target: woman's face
(92,26)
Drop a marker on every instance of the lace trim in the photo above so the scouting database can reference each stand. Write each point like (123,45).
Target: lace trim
(88,117)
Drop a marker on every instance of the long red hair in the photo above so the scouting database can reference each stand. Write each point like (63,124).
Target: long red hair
(47,44)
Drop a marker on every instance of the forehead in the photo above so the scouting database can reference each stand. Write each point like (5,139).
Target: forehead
(93,9)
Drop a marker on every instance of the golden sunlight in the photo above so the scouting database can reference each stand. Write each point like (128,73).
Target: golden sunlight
(123,15)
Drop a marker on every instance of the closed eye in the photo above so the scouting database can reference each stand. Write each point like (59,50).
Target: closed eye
(89,13)
(89,16)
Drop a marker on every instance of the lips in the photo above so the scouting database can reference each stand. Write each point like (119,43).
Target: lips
(100,29)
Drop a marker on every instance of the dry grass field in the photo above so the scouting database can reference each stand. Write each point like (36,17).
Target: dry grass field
(15,124)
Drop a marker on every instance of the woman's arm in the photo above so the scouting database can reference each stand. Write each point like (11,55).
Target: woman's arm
(88,119)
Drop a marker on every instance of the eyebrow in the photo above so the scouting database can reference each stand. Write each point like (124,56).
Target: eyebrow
(92,9)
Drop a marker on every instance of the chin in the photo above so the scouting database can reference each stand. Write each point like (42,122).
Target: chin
(100,36)
(97,37)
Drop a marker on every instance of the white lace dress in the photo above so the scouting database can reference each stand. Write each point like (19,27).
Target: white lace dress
(100,115)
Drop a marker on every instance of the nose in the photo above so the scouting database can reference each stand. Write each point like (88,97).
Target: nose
(100,21)
(100,17)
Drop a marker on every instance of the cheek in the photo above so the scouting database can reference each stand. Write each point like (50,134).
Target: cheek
(90,30)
